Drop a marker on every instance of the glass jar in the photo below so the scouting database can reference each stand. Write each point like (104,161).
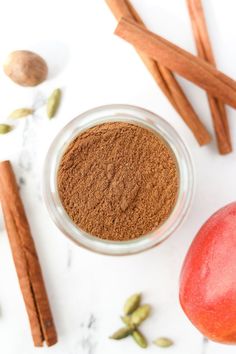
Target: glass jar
(129,114)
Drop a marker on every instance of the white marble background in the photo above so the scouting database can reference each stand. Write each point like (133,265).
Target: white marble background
(93,67)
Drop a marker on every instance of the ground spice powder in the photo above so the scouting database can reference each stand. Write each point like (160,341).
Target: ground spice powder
(118,181)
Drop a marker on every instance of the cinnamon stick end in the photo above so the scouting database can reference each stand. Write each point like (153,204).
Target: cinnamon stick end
(204,138)
(120,26)
(51,341)
(224,150)
(38,342)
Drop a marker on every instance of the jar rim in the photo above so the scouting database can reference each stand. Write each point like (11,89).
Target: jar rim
(129,114)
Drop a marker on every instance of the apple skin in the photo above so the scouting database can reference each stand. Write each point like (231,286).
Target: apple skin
(208,278)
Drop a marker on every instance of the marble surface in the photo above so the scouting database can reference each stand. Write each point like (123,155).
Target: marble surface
(93,68)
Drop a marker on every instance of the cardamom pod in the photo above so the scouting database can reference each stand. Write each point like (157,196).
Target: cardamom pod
(121,333)
(132,303)
(127,321)
(139,339)
(21,112)
(139,315)
(163,342)
(53,103)
(5,128)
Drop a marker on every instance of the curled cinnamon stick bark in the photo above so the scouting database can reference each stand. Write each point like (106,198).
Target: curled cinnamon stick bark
(26,259)
(203,44)
(164,77)
(179,60)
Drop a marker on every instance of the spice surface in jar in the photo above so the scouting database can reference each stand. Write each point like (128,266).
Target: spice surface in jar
(118,181)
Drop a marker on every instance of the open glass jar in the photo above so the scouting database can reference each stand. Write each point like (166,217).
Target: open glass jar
(115,113)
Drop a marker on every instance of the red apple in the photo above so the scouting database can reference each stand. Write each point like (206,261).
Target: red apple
(208,277)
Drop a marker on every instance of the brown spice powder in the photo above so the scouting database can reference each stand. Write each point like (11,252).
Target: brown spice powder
(118,181)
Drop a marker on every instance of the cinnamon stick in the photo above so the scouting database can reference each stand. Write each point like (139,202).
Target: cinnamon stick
(164,77)
(179,60)
(26,259)
(203,44)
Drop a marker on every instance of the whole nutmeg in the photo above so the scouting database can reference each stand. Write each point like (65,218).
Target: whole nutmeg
(25,68)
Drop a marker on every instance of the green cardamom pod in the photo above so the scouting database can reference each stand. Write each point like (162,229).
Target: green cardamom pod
(121,333)
(139,315)
(139,339)
(163,342)
(5,128)
(127,321)
(132,303)
(53,103)
(21,113)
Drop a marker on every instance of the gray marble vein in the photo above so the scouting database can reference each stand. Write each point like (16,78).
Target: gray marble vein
(88,340)
(92,322)
(29,153)
(22,181)
(204,345)
(39,100)
(69,257)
